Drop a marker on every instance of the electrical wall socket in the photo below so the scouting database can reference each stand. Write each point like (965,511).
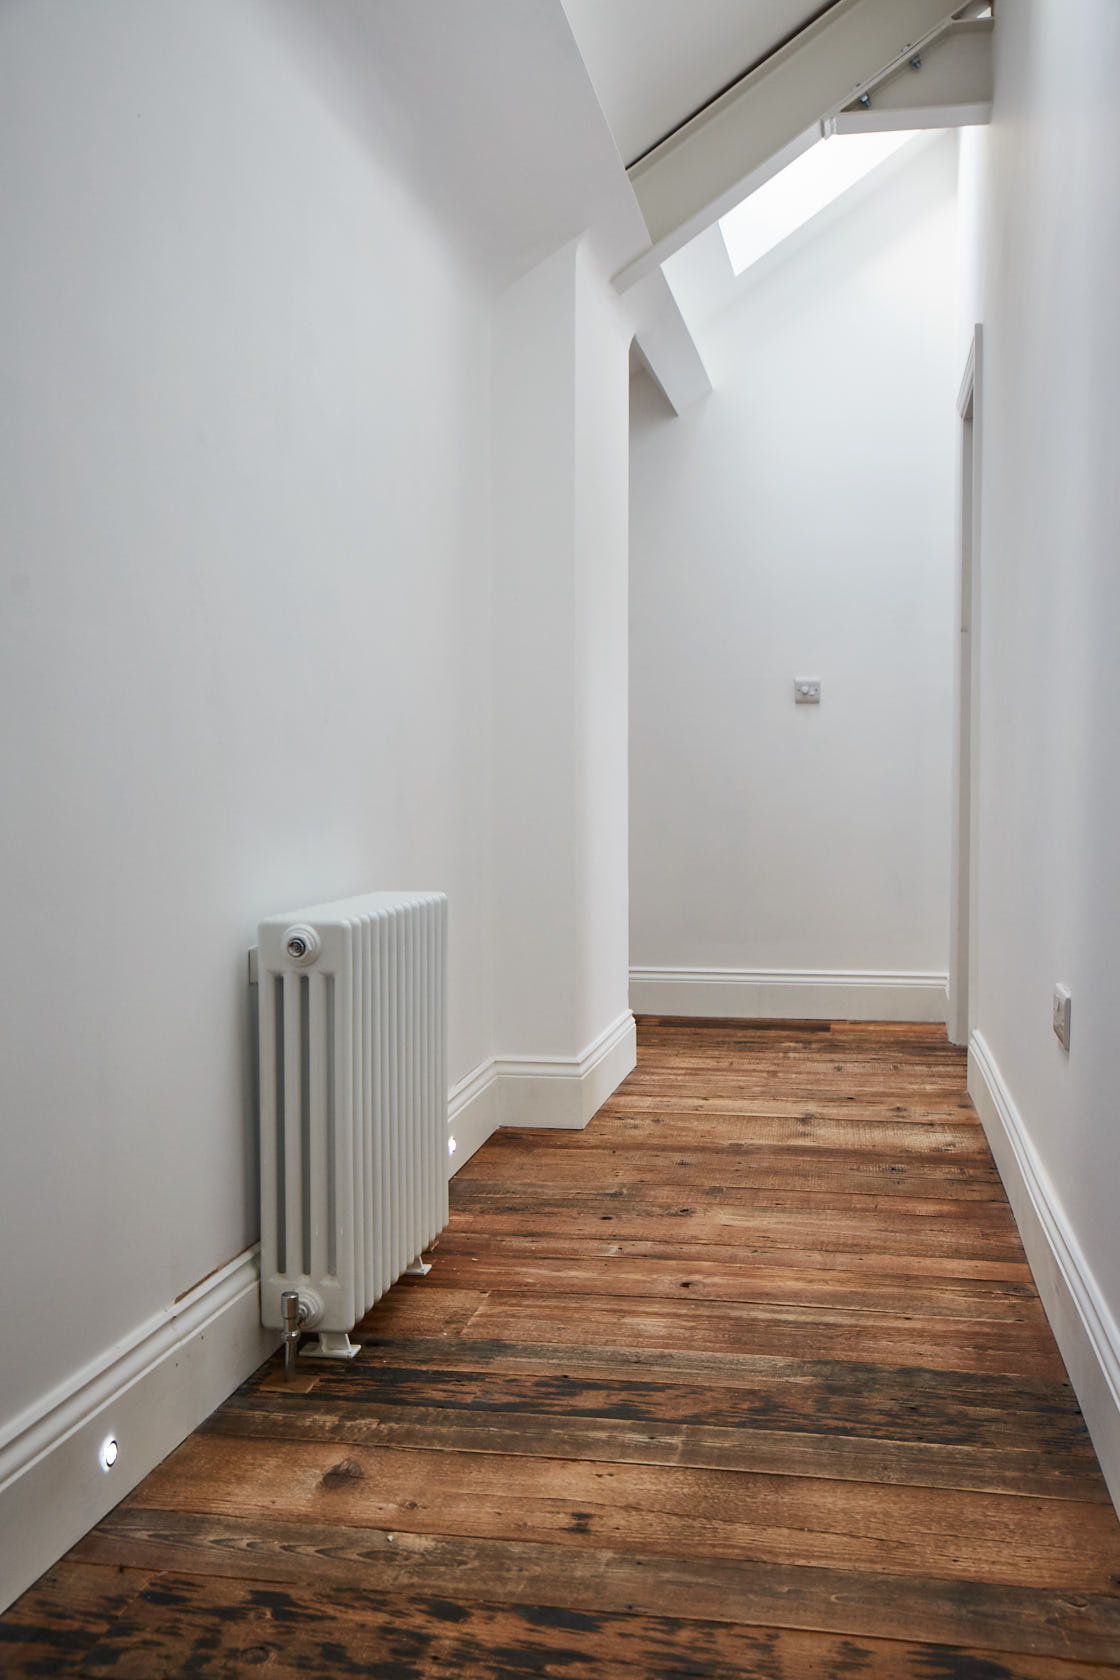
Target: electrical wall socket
(1062,1002)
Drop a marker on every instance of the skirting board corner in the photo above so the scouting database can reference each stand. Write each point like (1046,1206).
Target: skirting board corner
(565,1092)
(473,1114)
(539,1091)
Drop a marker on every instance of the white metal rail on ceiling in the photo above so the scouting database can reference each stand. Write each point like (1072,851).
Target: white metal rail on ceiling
(775,111)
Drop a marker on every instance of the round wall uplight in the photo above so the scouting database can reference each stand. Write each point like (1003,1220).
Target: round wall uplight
(107,1454)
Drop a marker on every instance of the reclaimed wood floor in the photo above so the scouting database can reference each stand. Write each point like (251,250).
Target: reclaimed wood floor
(748,1379)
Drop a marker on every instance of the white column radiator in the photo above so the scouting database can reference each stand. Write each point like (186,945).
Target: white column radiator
(353,1104)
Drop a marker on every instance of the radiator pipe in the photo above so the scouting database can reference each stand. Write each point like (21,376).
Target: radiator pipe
(294,1312)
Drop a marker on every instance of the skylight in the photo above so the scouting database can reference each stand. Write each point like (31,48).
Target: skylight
(805,186)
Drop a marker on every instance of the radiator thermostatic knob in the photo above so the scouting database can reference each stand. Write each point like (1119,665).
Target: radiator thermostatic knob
(302,945)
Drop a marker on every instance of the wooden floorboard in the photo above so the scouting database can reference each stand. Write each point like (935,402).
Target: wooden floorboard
(750,1378)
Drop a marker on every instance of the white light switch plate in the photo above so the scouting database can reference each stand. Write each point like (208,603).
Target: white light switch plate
(1062,1008)
(807,691)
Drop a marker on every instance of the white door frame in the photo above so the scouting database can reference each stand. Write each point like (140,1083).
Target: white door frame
(965,848)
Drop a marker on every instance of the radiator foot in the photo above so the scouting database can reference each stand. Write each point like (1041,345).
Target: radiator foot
(419,1267)
(333,1344)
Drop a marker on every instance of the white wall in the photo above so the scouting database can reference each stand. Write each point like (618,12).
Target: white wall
(602,534)
(799,522)
(246,626)
(534,355)
(1043,200)
(249,605)
(245,506)
(561,405)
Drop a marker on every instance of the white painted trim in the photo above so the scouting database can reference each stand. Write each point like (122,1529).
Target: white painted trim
(793,994)
(539,1091)
(148,1391)
(1083,1324)
(966,390)
(894,119)
(473,1113)
(953,89)
(965,831)
(567,1090)
(606,1063)
(665,340)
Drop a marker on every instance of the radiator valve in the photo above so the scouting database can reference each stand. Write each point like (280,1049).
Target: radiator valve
(294,1313)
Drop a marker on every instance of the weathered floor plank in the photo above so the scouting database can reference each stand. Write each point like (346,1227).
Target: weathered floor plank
(734,1252)
(179,1625)
(749,1378)
(643,1509)
(791,1169)
(1080,1627)
(53,1626)
(842,1233)
(840,1457)
(710,1280)
(847,1398)
(951,1344)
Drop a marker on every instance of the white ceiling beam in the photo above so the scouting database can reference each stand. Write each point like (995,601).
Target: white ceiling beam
(704,168)
(951,85)
(667,346)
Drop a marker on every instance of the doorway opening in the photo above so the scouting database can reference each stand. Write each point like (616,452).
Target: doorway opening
(962,919)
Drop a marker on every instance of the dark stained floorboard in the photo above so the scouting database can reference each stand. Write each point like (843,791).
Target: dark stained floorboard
(750,1378)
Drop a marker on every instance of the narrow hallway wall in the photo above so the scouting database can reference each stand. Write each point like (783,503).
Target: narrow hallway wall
(249,611)
(793,860)
(246,631)
(1041,203)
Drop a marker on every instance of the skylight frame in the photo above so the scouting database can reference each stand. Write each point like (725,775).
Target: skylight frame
(791,198)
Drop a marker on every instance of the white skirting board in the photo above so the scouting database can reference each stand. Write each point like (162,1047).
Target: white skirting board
(567,1091)
(473,1114)
(1084,1327)
(788,994)
(542,1091)
(147,1393)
